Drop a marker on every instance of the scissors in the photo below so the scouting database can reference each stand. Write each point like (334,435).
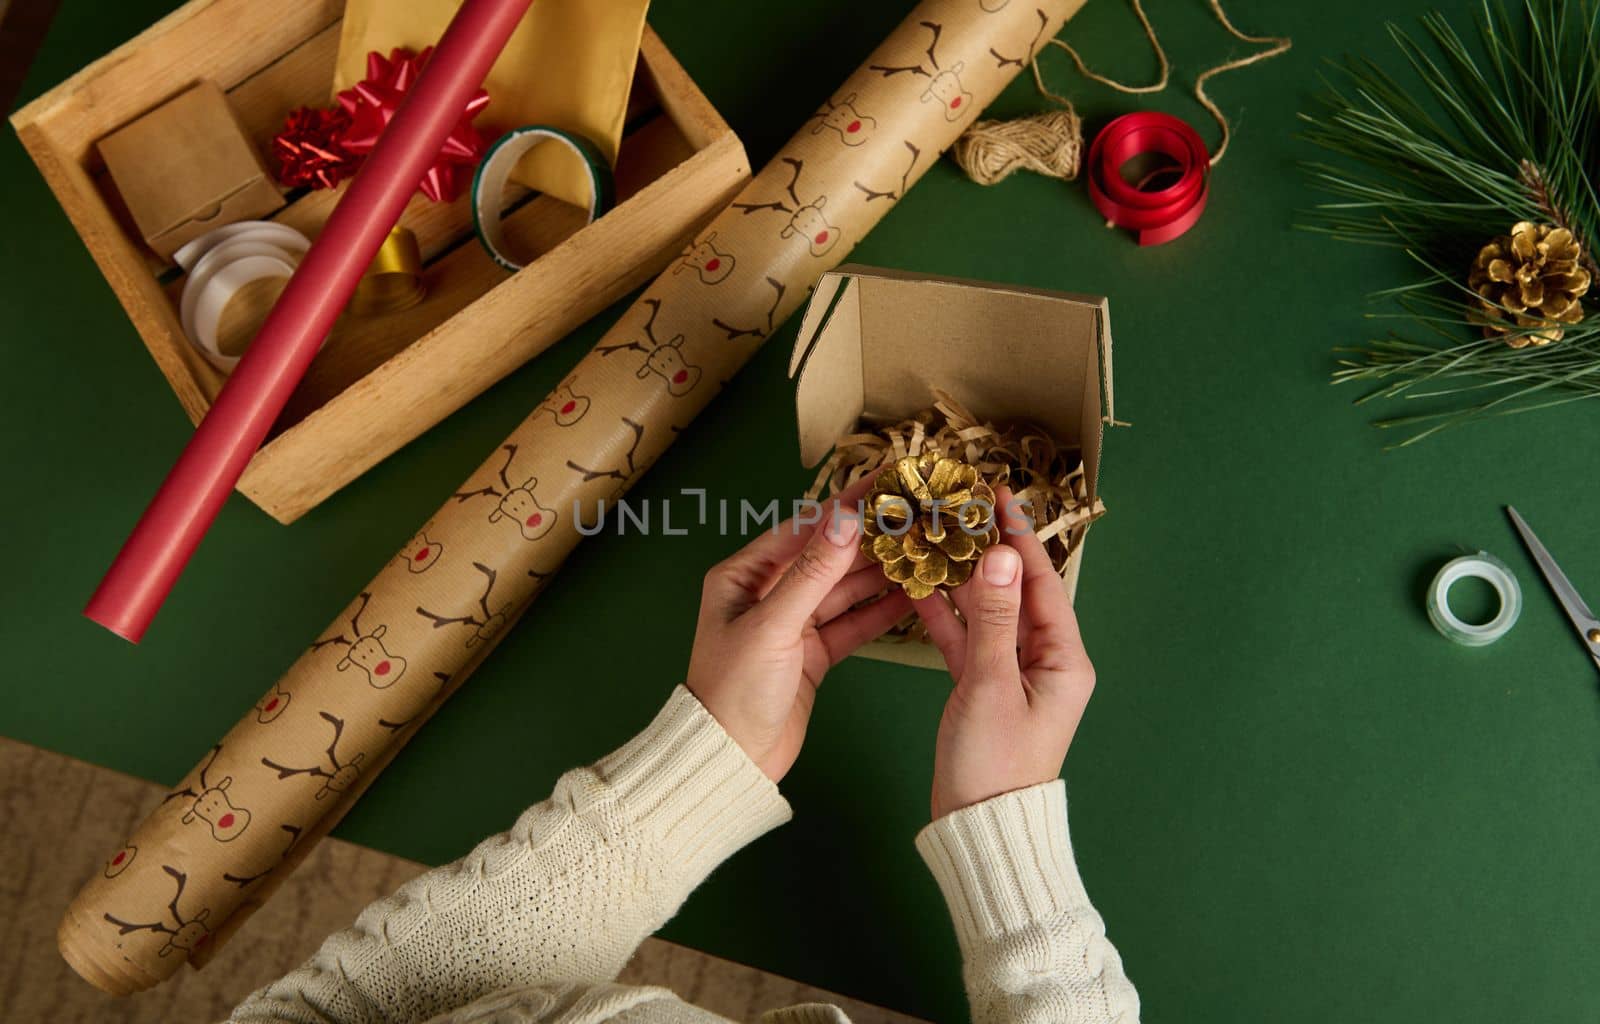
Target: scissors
(1582,618)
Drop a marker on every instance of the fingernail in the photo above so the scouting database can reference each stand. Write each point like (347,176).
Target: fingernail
(1000,566)
(842,528)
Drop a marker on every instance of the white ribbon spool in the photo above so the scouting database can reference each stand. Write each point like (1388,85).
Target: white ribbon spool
(220,263)
(1497,574)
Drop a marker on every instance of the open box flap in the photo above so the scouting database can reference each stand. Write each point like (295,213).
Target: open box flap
(874,343)
(1097,399)
(827,358)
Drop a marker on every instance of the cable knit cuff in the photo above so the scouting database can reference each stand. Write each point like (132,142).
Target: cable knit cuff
(687,781)
(1005,863)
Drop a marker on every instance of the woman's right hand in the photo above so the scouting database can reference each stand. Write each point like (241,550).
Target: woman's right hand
(1022,677)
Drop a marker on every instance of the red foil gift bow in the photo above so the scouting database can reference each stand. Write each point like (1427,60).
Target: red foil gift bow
(310,149)
(1158,216)
(372,102)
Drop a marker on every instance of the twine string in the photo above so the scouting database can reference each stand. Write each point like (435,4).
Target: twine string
(1279,44)
(1094,76)
(1051,143)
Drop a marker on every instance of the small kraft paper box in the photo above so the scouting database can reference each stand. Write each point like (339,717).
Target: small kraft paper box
(187,167)
(875,343)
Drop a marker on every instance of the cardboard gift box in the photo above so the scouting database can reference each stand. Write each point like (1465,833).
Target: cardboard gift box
(874,344)
(187,167)
(382,379)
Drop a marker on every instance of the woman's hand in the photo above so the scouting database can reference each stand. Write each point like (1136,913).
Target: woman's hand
(777,615)
(1022,677)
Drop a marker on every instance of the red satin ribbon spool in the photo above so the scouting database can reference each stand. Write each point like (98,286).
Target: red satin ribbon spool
(1161,215)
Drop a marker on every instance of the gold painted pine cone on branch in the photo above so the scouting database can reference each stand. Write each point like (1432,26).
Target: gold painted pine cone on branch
(1531,278)
(927,519)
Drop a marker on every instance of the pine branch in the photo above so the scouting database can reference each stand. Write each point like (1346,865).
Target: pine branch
(1482,135)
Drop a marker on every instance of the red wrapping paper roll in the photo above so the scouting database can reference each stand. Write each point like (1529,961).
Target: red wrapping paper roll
(1161,215)
(193,493)
(281,777)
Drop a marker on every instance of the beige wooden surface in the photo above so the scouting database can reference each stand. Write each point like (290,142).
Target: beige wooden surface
(62,817)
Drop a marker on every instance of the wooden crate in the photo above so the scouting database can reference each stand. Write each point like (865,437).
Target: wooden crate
(382,379)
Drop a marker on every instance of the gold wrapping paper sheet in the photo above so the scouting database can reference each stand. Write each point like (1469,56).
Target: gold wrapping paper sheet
(568,64)
(284,774)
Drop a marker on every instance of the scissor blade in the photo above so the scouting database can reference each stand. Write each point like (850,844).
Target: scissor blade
(1565,592)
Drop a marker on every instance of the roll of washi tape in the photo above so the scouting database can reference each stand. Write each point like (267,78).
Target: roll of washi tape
(222,262)
(215,259)
(394,280)
(489,184)
(1162,214)
(281,235)
(220,290)
(1498,575)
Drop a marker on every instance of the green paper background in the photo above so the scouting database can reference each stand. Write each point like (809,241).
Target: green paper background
(1291,800)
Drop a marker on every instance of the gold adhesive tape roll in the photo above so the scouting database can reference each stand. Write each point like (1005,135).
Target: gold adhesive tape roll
(234,826)
(393,281)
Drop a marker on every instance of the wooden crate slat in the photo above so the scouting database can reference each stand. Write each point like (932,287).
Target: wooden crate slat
(687,105)
(121,261)
(300,78)
(223,40)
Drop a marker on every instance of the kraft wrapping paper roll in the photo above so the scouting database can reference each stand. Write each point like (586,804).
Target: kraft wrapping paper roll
(279,779)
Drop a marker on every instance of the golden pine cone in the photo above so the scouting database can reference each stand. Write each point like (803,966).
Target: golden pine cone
(1533,277)
(927,519)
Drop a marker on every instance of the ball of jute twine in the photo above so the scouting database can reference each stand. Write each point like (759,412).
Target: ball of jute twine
(1047,144)
(1051,143)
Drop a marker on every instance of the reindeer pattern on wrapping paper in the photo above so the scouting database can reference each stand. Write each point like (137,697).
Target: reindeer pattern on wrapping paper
(272,705)
(944,83)
(338,776)
(482,623)
(730,289)
(764,330)
(210,803)
(663,359)
(366,650)
(705,259)
(294,832)
(121,860)
(517,505)
(181,934)
(421,554)
(806,220)
(564,405)
(623,474)
(1025,57)
(841,117)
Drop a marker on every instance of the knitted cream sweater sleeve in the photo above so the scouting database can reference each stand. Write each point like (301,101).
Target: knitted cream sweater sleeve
(1033,948)
(565,896)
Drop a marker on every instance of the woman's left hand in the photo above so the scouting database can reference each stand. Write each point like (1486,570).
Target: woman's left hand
(775,616)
